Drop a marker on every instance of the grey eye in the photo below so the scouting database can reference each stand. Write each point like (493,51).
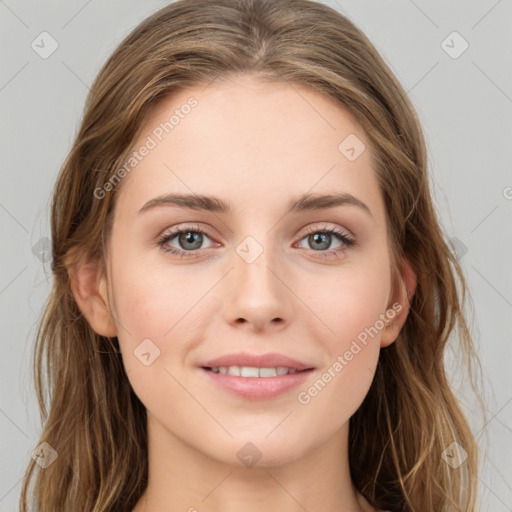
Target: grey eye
(190,240)
(320,241)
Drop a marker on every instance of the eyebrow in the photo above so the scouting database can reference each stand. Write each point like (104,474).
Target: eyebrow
(304,202)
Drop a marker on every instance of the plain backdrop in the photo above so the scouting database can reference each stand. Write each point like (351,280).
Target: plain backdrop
(452,57)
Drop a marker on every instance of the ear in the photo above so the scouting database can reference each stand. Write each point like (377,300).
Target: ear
(400,301)
(89,288)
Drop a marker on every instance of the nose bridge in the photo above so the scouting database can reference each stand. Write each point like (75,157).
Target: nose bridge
(257,293)
(254,264)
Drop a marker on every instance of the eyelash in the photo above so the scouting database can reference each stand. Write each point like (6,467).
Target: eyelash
(342,237)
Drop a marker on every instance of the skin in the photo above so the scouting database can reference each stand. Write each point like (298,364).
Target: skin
(256,146)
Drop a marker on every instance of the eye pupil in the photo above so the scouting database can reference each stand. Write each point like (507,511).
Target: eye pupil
(323,238)
(195,238)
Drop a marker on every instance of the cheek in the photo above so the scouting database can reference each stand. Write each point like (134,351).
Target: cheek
(157,310)
(152,300)
(355,313)
(146,308)
(350,301)
(150,316)
(353,306)
(338,390)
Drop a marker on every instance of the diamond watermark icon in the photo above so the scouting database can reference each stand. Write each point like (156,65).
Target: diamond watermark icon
(454,455)
(351,147)
(249,455)
(44,45)
(249,249)
(146,352)
(459,248)
(44,455)
(42,249)
(454,45)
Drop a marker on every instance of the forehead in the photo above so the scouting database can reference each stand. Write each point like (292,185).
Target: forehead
(250,142)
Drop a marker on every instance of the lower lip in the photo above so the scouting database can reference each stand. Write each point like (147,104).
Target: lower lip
(258,388)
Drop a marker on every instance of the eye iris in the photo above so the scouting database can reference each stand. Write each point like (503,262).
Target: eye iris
(323,238)
(190,237)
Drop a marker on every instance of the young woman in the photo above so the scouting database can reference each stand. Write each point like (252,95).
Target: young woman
(252,292)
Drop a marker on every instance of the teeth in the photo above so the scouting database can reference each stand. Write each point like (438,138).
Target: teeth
(251,371)
(268,372)
(234,370)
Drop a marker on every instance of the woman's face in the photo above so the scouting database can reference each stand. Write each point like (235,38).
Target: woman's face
(255,276)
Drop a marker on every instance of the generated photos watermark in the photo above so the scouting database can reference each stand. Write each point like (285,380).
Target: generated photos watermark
(151,142)
(304,397)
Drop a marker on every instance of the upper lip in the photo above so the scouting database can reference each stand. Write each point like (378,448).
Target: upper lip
(268,360)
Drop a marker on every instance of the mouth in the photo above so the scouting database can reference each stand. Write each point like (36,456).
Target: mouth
(255,383)
(256,376)
(254,372)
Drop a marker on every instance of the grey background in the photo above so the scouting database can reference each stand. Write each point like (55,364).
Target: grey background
(465,106)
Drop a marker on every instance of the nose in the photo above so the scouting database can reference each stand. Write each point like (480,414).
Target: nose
(257,295)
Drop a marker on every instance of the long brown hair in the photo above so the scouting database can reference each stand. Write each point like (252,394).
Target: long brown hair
(93,420)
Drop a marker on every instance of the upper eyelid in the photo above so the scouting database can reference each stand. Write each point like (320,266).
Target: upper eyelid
(315,229)
(194,227)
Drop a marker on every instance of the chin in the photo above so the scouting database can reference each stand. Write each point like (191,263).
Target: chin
(255,451)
